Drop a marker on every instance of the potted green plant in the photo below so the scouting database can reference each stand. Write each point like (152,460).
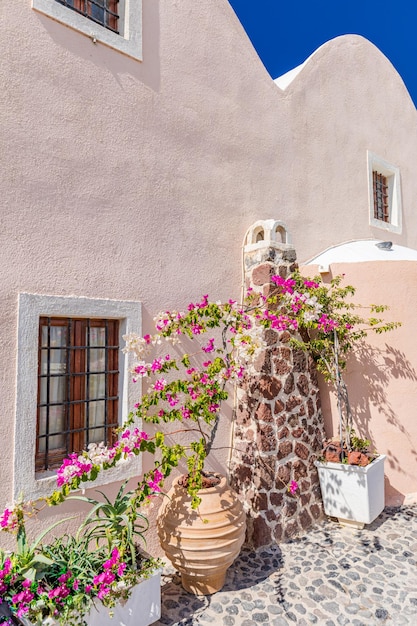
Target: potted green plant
(201,524)
(96,577)
(330,325)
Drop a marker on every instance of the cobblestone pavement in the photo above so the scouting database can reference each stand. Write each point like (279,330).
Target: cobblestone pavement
(331,576)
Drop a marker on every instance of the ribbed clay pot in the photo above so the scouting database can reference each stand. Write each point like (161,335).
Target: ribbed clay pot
(202,543)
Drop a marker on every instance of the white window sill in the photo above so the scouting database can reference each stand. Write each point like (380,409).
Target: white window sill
(129,41)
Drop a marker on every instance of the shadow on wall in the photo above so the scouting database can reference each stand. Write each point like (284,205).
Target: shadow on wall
(369,374)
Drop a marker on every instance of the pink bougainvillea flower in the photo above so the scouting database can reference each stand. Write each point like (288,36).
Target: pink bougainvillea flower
(157,365)
(160,384)
(209,347)
(121,568)
(154,483)
(141,369)
(185,413)
(326,323)
(293,486)
(203,303)
(287,284)
(172,400)
(4,521)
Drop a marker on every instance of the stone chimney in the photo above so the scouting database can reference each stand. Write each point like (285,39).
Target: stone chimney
(278,430)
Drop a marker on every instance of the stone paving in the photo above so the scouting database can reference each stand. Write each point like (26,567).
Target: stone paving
(331,576)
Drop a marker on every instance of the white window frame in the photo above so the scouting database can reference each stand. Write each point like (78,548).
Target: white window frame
(129,39)
(392,173)
(26,481)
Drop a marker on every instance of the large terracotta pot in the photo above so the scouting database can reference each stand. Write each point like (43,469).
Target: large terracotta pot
(202,543)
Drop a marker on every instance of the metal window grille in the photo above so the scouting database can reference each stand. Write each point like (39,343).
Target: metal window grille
(78,373)
(381,200)
(103,12)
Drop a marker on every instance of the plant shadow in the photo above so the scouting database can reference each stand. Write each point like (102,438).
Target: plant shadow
(369,373)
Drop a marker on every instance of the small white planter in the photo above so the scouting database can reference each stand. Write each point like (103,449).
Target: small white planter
(141,609)
(352,493)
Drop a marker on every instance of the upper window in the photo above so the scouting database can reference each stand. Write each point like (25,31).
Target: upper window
(77,386)
(380,189)
(73,386)
(115,23)
(384,194)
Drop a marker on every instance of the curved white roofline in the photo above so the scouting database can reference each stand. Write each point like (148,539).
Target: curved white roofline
(287,78)
(360,251)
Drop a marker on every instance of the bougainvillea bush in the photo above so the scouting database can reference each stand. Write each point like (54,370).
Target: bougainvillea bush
(330,326)
(187,369)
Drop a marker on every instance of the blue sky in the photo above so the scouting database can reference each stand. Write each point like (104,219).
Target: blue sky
(285,33)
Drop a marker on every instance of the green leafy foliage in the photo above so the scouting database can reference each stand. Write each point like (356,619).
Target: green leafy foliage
(117,523)
(63,578)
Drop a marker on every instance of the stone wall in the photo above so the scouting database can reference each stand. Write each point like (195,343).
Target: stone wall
(278,430)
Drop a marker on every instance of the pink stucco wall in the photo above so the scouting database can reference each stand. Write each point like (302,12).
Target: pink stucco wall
(138,180)
(381,374)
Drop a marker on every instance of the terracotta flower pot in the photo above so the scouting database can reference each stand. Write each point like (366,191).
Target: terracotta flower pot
(202,543)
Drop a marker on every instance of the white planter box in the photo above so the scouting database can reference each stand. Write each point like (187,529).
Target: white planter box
(141,609)
(353,493)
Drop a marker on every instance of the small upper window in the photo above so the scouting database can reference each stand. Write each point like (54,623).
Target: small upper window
(115,23)
(381,204)
(103,12)
(384,194)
